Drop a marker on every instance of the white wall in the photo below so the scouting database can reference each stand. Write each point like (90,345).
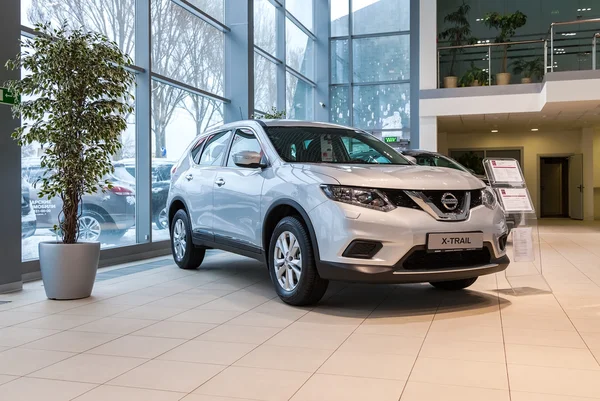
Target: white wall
(534,144)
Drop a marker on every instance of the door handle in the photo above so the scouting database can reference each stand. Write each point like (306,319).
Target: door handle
(189,177)
(220,182)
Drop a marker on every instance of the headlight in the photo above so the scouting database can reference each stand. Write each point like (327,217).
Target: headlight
(488,198)
(365,197)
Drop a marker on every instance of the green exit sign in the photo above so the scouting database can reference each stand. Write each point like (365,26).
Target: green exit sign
(390,139)
(6,97)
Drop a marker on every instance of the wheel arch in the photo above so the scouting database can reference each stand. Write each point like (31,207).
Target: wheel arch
(176,204)
(98,209)
(280,209)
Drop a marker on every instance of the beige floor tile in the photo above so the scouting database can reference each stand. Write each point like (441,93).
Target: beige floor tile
(253,383)
(453,331)
(47,307)
(338,327)
(185,330)
(551,338)
(202,397)
(101,309)
(133,299)
(417,391)
(21,361)
(522,396)
(114,325)
(592,340)
(114,393)
(137,346)
(150,312)
(463,350)
(330,340)
(400,326)
(7,378)
(89,368)
(15,336)
(59,322)
(460,373)
(284,358)
(205,316)
(551,357)
(232,333)
(30,389)
(168,375)
(71,341)
(238,301)
(587,325)
(264,319)
(369,364)
(185,301)
(344,388)
(559,381)
(220,353)
(522,321)
(10,318)
(382,344)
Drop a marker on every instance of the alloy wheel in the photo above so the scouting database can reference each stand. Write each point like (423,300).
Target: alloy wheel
(287,261)
(179,239)
(89,228)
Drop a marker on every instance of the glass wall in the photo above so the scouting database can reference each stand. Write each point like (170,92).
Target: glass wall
(370,67)
(187,72)
(284,59)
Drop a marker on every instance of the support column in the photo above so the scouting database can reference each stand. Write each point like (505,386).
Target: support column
(239,60)
(587,149)
(426,33)
(10,157)
(143,120)
(321,24)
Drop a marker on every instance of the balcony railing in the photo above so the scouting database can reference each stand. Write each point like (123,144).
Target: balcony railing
(486,59)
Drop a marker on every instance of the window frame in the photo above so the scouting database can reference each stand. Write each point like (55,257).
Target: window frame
(260,143)
(207,141)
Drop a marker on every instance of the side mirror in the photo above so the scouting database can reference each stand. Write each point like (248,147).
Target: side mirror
(249,159)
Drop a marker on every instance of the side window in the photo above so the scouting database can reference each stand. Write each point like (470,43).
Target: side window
(195,152)
(215,149)
(243,141)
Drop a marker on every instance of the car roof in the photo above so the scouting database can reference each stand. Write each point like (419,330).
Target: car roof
(275,123)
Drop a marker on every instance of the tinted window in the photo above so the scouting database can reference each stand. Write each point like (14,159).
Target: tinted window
(215,148)
(196,150)
(331,145)
(436,161)
(243,141)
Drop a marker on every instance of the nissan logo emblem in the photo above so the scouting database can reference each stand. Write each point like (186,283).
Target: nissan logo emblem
(449,201)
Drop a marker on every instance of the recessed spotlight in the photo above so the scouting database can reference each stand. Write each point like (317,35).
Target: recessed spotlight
(535,129)
(494,130)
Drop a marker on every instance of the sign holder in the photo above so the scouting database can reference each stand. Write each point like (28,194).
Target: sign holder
(524,275)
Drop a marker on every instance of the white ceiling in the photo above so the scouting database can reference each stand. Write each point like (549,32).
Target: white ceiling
(554,117)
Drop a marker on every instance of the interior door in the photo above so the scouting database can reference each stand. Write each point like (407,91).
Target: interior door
(237,196)
(551,188)
(576,187)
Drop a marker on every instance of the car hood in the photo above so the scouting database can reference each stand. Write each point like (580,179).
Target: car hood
(397,177)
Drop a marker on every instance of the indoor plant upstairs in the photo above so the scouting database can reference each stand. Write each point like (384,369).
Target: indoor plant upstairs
(506,26)
(80,95)
(458,34)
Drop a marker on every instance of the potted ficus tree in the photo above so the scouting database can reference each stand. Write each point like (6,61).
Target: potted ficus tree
(458,34)
(528,69)
(80,91)
(506,26)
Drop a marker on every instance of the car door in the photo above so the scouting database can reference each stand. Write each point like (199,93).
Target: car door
(198,182)
(237,196)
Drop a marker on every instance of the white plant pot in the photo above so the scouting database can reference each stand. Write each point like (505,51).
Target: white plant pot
(69,270)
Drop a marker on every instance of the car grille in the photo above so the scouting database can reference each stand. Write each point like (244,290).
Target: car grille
(422,260)
(400,199)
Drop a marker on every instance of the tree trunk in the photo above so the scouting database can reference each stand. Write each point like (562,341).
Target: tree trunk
(69,225)
(505,59)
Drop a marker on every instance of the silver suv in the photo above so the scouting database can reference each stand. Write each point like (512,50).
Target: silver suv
(319,202)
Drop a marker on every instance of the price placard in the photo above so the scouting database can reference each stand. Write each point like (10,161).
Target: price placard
(515,199)
(506,171)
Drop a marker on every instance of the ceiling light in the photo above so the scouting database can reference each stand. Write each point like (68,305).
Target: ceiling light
(535,129)
(494,130)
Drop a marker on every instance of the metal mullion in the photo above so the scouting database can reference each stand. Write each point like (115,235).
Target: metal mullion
(392,82)
(350,63)
(188,88)
(276,3)
(281,55)
(300,25)
(202,15)
(267,55)
(300,76)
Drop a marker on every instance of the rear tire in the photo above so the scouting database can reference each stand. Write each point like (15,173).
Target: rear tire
(186,255)
(454,285)
(292,264)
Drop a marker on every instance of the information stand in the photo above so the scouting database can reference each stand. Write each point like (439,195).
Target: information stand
(524,275)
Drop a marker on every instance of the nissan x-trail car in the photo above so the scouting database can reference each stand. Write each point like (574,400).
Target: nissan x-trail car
(300,197)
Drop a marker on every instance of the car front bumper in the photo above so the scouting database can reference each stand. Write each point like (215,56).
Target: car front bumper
(402,235)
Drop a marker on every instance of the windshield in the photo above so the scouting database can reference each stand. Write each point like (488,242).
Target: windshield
(331,145)
(428,159)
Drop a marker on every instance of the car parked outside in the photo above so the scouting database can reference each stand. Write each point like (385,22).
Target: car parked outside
(427,158)
(161,179)
(301,197)
(105,216)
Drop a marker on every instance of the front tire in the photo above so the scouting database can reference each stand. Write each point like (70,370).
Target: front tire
(292,264)
(185,254)
(454,285)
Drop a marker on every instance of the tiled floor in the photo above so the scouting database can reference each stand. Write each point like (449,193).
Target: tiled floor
(220,334)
